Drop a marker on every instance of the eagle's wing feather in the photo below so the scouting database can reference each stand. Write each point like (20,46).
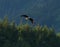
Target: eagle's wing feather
(31,20)
(24,16)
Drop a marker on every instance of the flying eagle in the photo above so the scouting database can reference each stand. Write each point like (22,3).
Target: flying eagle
(28,18)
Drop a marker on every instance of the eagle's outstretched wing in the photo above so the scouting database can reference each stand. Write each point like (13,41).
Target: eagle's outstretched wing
(24,16)
(32,21)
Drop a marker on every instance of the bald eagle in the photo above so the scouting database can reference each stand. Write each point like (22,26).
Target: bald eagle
(28,18)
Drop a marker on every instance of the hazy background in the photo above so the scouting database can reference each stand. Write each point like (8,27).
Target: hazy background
(44,12)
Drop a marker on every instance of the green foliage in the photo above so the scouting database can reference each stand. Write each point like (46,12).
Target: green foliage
(5,22)
(27,35)
(58,34)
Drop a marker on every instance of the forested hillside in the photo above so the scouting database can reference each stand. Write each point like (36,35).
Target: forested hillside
(25,35)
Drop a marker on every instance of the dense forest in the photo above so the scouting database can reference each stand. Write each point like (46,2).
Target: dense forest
(25,35)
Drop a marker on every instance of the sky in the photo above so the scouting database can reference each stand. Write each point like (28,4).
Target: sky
(44,12)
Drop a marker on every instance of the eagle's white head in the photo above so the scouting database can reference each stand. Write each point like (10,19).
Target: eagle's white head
(26,18)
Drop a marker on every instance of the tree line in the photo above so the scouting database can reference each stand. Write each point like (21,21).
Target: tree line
(12,35)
